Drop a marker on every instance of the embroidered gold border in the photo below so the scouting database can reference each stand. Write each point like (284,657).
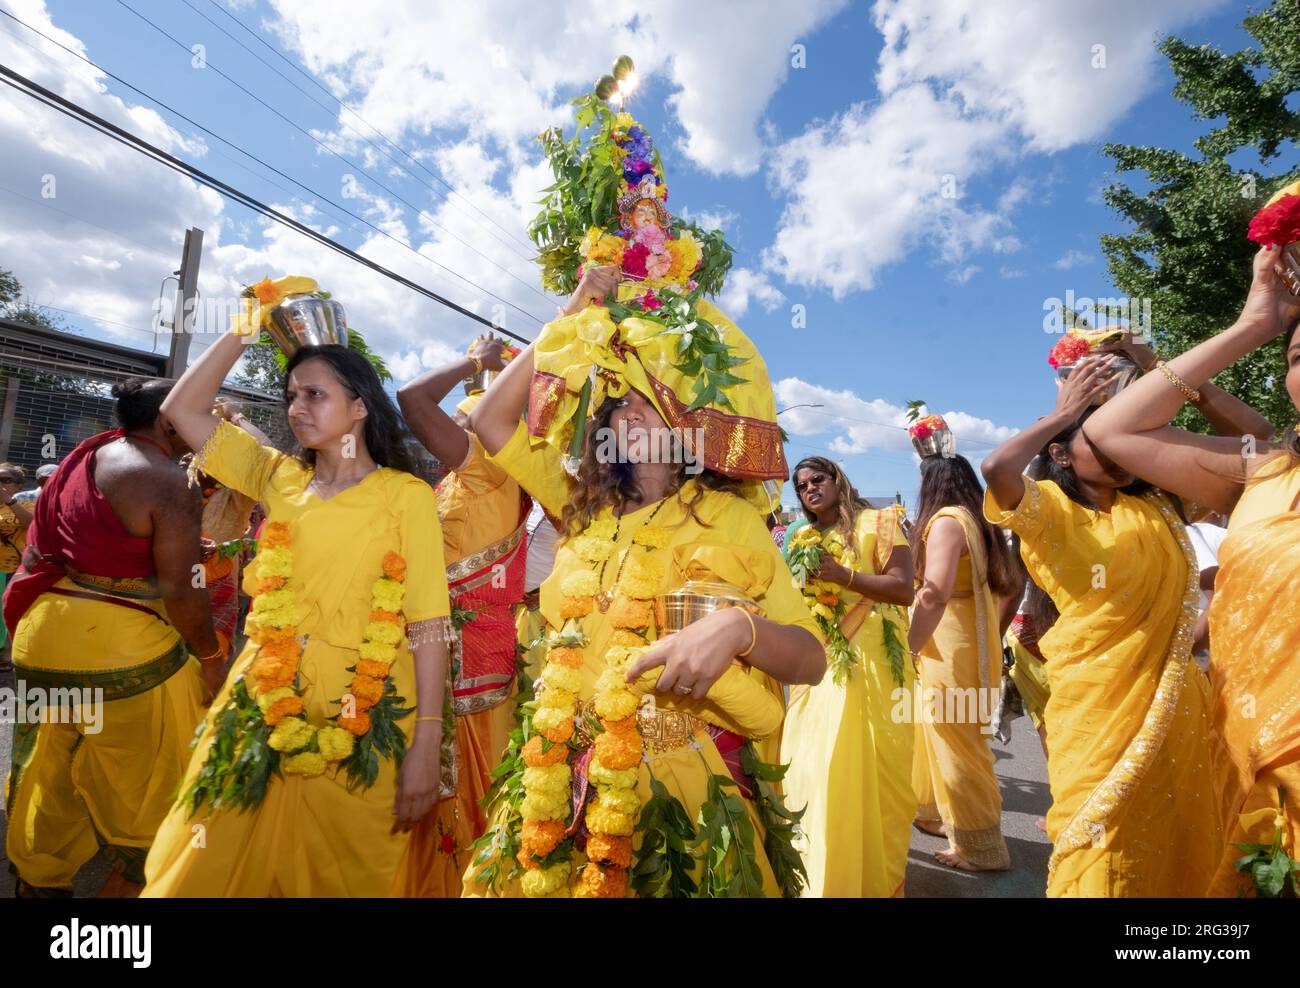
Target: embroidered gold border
(462,569)
(117,684)
(1098,810)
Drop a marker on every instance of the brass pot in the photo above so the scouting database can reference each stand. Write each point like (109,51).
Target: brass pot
(696,599)
(307,320)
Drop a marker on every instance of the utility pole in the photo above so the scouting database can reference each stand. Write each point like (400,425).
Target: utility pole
(186,294)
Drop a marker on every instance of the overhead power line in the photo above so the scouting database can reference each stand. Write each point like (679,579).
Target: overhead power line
(22,84)
(329,150)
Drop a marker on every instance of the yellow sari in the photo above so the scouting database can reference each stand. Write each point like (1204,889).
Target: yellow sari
(311,836)
(849,753)
(1133,763)
(952,773)
(1256,640)
(727,541)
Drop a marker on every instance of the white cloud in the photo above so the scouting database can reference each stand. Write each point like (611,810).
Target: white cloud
(965,85)
(1072,259)
(857,425)
(962,275)
(744,284)
(498,69)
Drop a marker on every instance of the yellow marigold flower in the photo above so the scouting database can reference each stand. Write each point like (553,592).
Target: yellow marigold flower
(274,600)
(291,734)
(823,612)
(610,679)
(274,562)
(334,742)
(616,657)
(307,763)
(603,820)
(382,631)
(547,718)
(624,778)
(580,583)
(652,536)
(556,699)
(571,657)
(628,639)
(589,241)
(377,651)
(562,677)
(544,806)
(603,528)
(546,881)
(266,700)
(619,800)
(624,121)
(387,595)
(616,704)
(546,779)
(628,613)
(592,550)
(638,587)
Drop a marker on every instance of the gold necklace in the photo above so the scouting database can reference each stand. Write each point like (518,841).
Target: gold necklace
(606,597)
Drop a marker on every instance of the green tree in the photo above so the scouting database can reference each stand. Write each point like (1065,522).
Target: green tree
(18,307)
(263,363)
(1188,253)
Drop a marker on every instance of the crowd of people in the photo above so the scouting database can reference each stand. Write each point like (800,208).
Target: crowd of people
(583,666)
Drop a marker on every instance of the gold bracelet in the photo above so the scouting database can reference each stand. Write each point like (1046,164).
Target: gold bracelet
(438,719)
(220,653)
(1190,393)
(478,363)
(753,634)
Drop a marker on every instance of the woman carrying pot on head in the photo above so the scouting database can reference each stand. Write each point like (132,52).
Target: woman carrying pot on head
(849,738)
(1254,633)
(324,747)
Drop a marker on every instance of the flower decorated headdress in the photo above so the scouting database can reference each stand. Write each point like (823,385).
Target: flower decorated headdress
(1079,343)
(257,301)
(659,335)
(1278,225)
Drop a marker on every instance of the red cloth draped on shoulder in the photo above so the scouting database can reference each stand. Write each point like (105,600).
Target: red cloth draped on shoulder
(74,525)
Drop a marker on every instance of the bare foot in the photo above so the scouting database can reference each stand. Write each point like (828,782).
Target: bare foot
(932,827)
(1041,823)
(954,860)
(117,886)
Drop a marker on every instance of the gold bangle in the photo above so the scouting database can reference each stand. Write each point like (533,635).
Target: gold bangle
(1190,393)
(438,719)
(753,634)
(478,363)
(220,653)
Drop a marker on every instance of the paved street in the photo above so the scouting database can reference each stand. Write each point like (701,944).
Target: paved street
(1020,767)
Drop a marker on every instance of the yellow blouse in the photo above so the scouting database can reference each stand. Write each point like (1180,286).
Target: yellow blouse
(478,504)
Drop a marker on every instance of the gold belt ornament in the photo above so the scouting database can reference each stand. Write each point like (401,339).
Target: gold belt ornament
(661,730)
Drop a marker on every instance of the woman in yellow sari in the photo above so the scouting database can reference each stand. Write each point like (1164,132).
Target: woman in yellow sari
(324,746)
(1254,632)
(963,568)
(636,525)
(1131,765)
(849,753)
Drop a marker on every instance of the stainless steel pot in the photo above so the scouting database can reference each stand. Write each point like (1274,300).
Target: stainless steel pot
(307,320)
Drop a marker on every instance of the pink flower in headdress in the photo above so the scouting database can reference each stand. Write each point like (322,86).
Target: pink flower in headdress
(657,265)
(652,236)
(634,260)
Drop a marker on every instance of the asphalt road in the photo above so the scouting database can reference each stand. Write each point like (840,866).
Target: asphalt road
(1021,769)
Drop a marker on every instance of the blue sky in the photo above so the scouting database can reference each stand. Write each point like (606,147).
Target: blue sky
(829,178)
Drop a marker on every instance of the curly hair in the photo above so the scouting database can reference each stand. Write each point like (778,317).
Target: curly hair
(602,484)
(849,503)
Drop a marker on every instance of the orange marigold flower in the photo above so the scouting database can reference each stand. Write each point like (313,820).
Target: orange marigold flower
(625,728)
(617,752)
(561,732)
(575,607)
(372,669)
(537,839)
(367,688)
(394,566)
(629,613)
(275,535)
(602,883)
(266,291)
(627,639)
(269,635)
(571,657)
(265,584)
(218,567)
(607,849)
(390,617)
(358,725)
(271,674)
(829,599)
(281,709)
(286,650)
(535,757)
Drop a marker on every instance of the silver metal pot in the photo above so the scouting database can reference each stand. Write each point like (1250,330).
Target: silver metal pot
(1126,372)
(1291,267)
(306,320)
(938,443)
(696,599)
